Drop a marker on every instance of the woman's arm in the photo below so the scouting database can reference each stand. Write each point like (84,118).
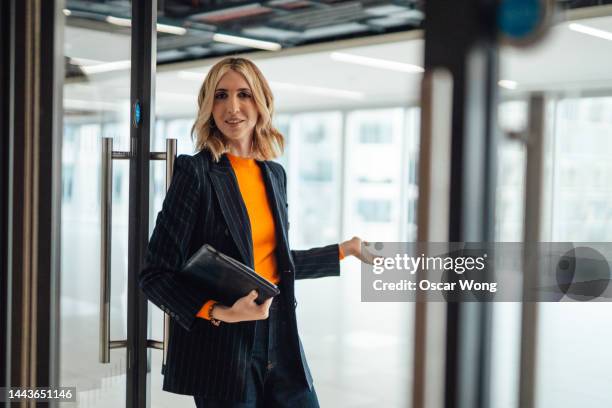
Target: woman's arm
(325,261)
(317,262)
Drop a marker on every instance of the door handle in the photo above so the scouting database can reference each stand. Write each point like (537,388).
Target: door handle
(108,155)
(106,215)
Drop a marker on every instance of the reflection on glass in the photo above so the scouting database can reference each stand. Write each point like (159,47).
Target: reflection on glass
(96,105)
(573,349)
(572,346)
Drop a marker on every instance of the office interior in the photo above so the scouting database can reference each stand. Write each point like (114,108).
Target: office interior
(347,78)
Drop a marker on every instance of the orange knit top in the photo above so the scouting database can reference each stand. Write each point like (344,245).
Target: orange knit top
(253,191)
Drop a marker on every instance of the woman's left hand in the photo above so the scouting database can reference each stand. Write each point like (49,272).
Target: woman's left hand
(358,248)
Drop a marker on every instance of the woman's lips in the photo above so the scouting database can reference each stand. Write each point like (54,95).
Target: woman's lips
(233,124)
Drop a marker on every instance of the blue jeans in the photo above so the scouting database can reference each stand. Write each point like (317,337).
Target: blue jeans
(274,380)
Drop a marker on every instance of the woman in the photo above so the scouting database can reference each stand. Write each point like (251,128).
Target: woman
(232,197)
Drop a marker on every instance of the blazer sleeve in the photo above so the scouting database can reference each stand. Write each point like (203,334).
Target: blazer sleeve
(169,246)
(315,262)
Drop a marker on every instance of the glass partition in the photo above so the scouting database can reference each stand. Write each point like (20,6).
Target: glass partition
(96,105)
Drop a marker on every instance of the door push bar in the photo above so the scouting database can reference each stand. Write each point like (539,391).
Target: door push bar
(108,155)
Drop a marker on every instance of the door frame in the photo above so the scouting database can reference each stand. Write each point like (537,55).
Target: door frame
(142,92)
(31,89)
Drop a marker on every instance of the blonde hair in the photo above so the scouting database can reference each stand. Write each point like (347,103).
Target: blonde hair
(268,142)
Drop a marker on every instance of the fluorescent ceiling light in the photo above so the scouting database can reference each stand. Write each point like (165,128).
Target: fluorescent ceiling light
(169,29)
(606,35)
(246,42)
(317,90)
(376,62)
(84,61)
(123,22)
(162,28)
(106,67)
(506,83)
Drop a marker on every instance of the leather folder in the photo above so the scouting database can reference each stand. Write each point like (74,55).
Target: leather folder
(224,278)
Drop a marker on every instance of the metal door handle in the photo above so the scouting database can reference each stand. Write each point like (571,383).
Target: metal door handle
(106,215)
(105,249)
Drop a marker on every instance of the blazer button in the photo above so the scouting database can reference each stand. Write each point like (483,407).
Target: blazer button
(294,303)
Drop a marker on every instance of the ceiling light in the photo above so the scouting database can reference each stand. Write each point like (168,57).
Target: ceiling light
(84,61)
(606,35)
(106,67)
(376,62)
(67,12)
(506,83)
(123,22)
(317,90)
(170,29)
(162,28)
(246,42)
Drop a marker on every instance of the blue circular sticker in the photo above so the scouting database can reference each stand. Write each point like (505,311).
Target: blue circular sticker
(520,19)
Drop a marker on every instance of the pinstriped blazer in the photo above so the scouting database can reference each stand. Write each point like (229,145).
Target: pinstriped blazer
(204,205)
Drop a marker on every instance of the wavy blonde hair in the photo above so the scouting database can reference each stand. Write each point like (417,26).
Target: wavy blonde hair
(268,142)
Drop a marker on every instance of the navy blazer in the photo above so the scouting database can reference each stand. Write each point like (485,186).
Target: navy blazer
(204,205)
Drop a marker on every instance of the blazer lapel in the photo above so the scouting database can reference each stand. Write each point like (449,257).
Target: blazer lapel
(232,207)
(274,189)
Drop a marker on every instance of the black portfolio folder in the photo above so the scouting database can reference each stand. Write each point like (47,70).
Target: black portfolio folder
(226,279)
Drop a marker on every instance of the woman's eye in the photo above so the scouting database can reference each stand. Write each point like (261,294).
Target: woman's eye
(245,95)
(220,95)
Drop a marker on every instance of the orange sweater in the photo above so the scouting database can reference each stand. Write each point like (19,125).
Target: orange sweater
(253,191)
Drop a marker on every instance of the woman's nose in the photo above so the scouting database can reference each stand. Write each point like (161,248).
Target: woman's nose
(233,105)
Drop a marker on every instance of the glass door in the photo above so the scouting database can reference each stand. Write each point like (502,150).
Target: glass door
(105,177)
(96,106)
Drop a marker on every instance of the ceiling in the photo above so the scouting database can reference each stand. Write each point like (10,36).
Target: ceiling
(192,29)
(196,29)
(309,78)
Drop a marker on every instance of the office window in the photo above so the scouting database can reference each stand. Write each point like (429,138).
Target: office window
(373,173)
(374,210)
(314,178)
(375,132)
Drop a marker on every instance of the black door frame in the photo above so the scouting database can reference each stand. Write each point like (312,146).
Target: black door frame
(142,98)
(31,94)
(5,131)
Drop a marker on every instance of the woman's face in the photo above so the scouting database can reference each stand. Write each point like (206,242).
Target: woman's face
(234,109)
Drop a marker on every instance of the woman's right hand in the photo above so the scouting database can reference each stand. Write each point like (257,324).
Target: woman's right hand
(244,309)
